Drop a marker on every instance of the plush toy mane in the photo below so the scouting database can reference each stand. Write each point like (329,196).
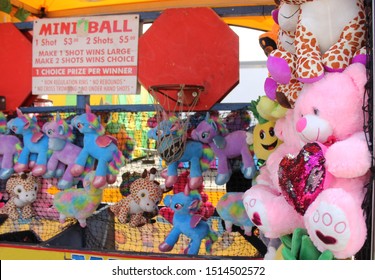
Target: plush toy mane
(67,131)
(3,123)
(33,125)
(94,121)
(219,124)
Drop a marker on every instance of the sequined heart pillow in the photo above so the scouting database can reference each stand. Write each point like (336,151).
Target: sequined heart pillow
(303,177)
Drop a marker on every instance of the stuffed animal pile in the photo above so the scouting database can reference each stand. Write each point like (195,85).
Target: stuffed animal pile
(318,183)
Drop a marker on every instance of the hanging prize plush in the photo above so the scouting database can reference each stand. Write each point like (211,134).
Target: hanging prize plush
(324,41)
(34,153)
(10,149)
(206,208)
(79,203)
(196,153)
(231,209)
(187,222)
(225,146)
(101,147)
(263,138)
(22,189)
(285,92)
(60,138)
(335,219)
(144,197)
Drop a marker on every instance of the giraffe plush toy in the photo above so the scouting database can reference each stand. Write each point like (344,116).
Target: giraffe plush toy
(145,195)
(329,36)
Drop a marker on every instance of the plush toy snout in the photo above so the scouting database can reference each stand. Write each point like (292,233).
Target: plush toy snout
(312,128)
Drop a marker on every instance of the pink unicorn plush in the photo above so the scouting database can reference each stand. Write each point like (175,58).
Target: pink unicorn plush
(10,149)
(60,136)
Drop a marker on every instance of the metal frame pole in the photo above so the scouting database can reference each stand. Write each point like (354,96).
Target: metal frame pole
(372,252)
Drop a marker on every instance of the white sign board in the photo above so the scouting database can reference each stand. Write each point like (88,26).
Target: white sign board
(89,55)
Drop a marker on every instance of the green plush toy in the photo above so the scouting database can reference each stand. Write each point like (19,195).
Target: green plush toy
(22,14)
(5,6)
(298,246)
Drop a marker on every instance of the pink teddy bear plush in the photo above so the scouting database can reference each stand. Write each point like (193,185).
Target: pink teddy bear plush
(330,112)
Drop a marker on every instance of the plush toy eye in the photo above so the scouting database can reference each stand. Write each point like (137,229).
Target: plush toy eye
(143,194)
(316,111)
(178,206)
(50,131)
(272,132)
(19,190)
(205,135)
(159,132)
(262,134)
(79,125)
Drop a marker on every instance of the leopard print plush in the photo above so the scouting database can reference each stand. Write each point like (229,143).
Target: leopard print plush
(22,190)
(145,195)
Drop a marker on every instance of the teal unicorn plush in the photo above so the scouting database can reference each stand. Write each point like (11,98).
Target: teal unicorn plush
(101,147)
(198,154)
(35,152)
(187,222)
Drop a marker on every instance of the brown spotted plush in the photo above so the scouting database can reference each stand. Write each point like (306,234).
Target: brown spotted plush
(145,195)
(22,189)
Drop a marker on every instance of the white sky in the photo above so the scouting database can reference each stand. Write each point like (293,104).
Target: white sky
(249,45)
(253,71)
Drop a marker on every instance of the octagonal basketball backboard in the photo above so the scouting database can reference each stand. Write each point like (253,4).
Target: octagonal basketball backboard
(192,49)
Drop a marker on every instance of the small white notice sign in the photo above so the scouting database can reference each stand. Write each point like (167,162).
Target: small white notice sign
(89,55)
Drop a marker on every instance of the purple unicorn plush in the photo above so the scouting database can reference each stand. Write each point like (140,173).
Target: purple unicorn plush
(225,146)
(10,149)
(60,137)
(101,147)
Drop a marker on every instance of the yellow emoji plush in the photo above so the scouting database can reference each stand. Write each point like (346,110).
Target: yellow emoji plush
(264,140)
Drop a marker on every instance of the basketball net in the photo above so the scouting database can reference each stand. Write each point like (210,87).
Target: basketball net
(173,105)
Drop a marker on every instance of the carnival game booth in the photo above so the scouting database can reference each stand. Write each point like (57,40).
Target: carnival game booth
(187,176)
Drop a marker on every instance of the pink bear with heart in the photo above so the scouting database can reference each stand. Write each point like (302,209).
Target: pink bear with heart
(324,194)
(264,203)
(330,112)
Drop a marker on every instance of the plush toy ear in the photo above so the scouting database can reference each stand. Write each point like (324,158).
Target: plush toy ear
(357,71)
(214,125)
(88,109)
(27,125)
(44,127)
(167,200)
(152,133)
(194,204)
(19,113)
(207,116)
(164,116)
(61,129)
